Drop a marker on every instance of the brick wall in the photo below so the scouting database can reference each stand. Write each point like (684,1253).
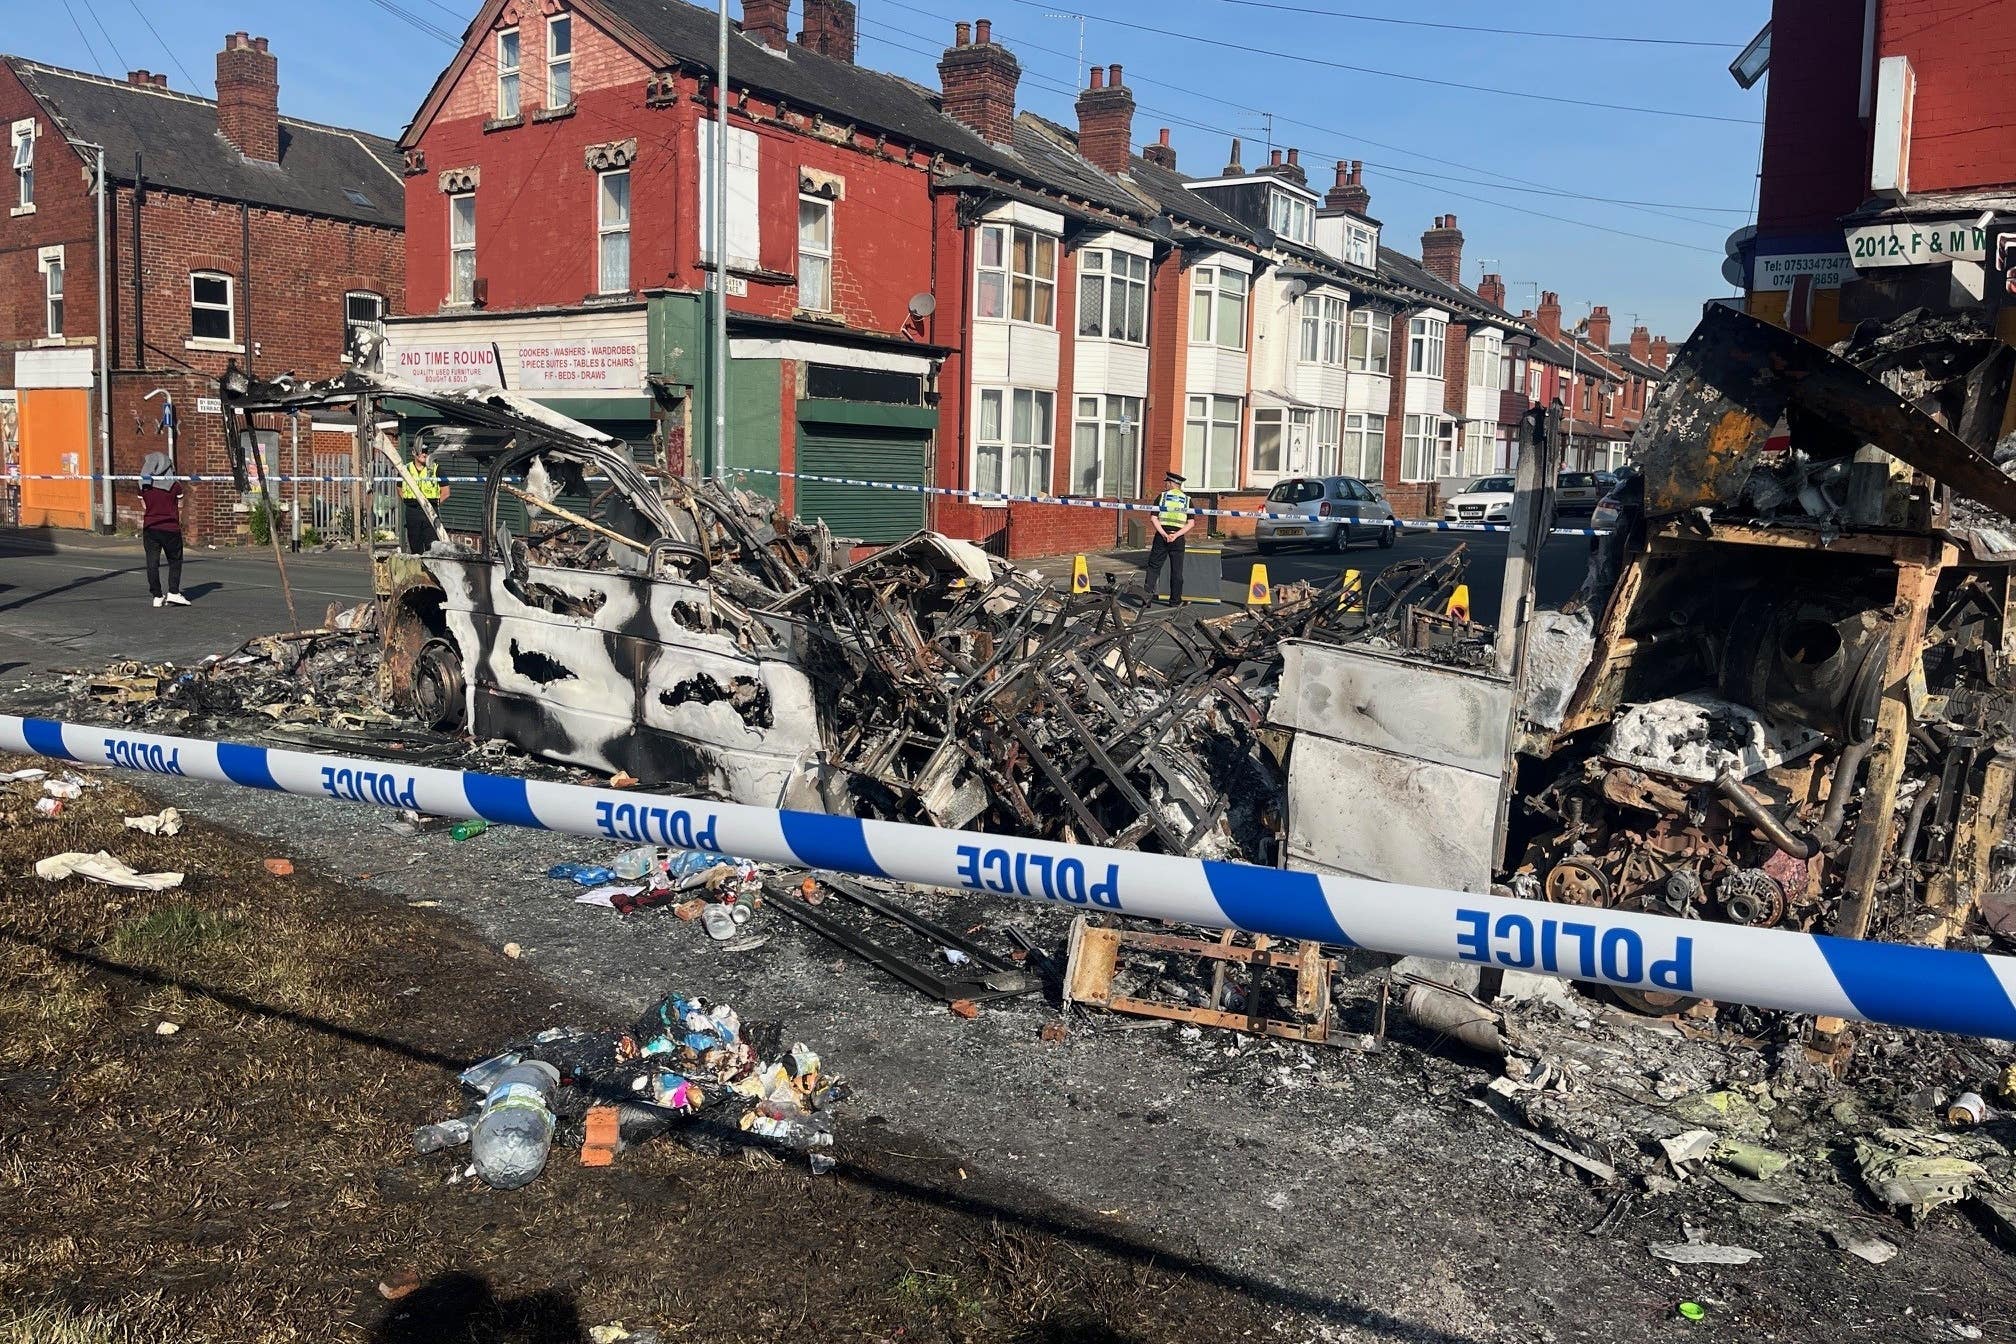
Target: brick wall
(1961,135)
(1816,150)
(63,216)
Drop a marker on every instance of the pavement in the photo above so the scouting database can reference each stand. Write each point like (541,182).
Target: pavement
(71,598)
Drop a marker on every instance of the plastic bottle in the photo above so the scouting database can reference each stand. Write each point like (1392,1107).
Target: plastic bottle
(447,1134)
(510,1140)
(632,864)
(464,830)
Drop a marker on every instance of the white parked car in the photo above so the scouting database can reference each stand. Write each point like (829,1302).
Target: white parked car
(1488,500)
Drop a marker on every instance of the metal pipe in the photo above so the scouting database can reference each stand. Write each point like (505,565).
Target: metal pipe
(104,354)
(717,463)
(1925,799)
(1820,837)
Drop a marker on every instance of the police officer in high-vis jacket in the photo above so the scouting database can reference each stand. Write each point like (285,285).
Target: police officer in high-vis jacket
(1172,523)
(420,479)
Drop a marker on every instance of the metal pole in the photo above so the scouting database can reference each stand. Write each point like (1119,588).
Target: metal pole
(104,359)
(715,446)
(294,475)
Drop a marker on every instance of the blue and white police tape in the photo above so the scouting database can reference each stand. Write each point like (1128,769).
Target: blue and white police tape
(1964,992)
(901,487)
(1139,506)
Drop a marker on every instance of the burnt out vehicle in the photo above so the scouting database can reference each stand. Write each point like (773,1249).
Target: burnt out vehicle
(601,614)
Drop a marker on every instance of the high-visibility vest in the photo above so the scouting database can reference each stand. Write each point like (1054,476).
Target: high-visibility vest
(420,482)
(1175,506)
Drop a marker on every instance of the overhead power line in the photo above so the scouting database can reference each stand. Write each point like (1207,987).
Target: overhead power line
(117,55)
(1377,73)
(1524,184)
(194,83)
(1475,28)
(97,61)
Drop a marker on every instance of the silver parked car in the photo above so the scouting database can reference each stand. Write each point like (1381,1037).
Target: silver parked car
(1331,511)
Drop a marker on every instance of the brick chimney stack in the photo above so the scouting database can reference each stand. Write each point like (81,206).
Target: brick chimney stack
(1442,249)
(1161,152)
(1234,168)
(766,21)
(1106,121)
(829,29)
(1349,193)
(248,97)
(1599,326)
(1290,170)
(978,79)
(1548,318)
(1492,288)
(1660,357)
(1641,344)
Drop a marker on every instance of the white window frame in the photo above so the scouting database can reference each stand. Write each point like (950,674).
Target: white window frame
(1426,340)
(1327,442)
(1211,461)
(1208,286)
(608,230)
(745,223)
(1478,442)
(1020,288)
(1323,330)
(1120,279)
(229,308)
(351,322)
(1364,448)
(1418,435)
(1448,449)
(459,247)
(1487,353)
(1291,217)
(1358,246)
(510,86)
(815,297)
(1377,354)
(1106,431)
(21,144)
(562,65)
(53,314)
(1022,460)
(1266,418)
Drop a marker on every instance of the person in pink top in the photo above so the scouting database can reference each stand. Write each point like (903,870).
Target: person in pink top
(161,527)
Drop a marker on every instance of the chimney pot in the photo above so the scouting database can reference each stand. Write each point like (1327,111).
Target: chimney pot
(1274,159)
(1098,78)
(1294,156)
(139,77)
(1113,76)
(962,33)
(983,31)
(977,84)
(1164,137)
(1234,168)
(1161,152)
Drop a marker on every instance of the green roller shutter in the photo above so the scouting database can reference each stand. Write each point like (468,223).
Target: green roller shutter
(462,511)
(865,452)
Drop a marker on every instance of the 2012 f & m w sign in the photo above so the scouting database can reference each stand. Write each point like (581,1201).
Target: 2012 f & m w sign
(1917,243)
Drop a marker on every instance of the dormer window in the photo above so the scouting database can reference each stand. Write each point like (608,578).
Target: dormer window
(1291,217)
(1359,245)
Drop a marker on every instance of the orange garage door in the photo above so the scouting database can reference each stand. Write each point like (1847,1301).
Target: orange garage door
(55,441)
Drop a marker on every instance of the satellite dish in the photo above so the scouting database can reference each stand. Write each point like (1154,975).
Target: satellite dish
(922,305)
(1733,271)
(1293,291)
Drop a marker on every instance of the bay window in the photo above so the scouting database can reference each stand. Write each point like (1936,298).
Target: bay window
(1013,441)
(1417,447)
(1267,440)
(1425,336)
(1211,441)
(1486,352)
(1218,307)
(1113,296)
(1371,336)
(1106,447)
(1477,445)
(1017,275)
(1329,442)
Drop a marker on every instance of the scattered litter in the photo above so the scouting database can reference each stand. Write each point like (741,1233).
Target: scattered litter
(446,1134)
(603,1138)
(398,1284)
(49,807)
(62,788)
(167,1028)
(1911,1175)
(280,867)
(102,867)
(623,779)
(12,776)
(582,874)
(606,896)
(513,951)
(515,1132)
(1966,1109)
(1690,1146)
(1753,1161)
(954,955)
(468,830)
(1876,1250)
(165,822)
(1053,1032)
(1698,1250)
(965,1008)
(1692,1311)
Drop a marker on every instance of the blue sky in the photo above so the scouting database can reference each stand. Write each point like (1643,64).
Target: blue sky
(358,63)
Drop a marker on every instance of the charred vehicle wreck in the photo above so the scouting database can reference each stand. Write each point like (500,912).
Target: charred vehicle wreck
(692,635)
(1790,689)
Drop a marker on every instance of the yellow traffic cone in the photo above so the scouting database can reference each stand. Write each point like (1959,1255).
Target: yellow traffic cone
(1081,578)
(1459,603)
(1352,594)
(1259,593)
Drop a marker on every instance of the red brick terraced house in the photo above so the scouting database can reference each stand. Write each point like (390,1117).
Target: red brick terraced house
(233,235)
